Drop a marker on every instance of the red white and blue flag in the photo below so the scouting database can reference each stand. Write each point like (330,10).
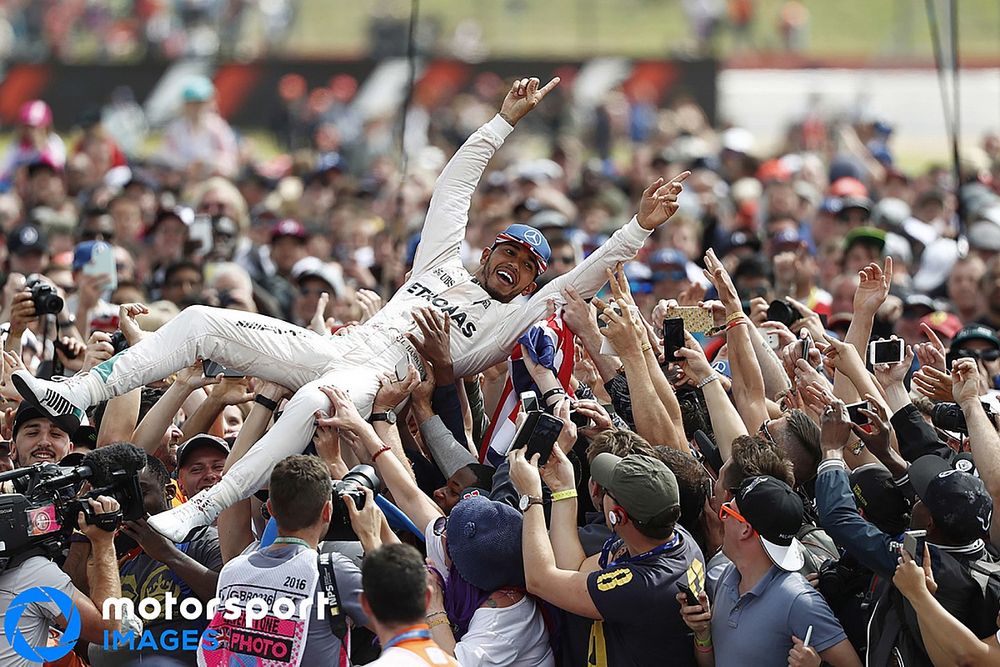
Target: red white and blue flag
(551,344)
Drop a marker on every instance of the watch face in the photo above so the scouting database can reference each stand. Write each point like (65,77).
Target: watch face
(522,504)
(390,416)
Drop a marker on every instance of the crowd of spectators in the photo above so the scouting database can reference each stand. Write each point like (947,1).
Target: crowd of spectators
(725,502)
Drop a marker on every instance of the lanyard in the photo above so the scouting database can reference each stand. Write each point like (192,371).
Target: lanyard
(292,540)
(419,633)
(666,546)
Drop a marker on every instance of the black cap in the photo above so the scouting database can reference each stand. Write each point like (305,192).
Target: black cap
(957,501)
(975,332)
(27,412)
(197,442)
(85,436)
(27,239)
(881,502)
(775,511)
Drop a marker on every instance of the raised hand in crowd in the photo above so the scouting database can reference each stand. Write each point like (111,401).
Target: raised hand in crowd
(434,342)
(392,392)
(369,303)
(933,352)
(935,384)
(369,523)
(320,323)
(11,362)
(873,288)
(99,349)
(835,426)
(127,323)
(70,351)
(659,201)
(524,95)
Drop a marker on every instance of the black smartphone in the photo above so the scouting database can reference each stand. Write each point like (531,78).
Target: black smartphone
(857,417)
(543,438)
(523,434)
(673,338)
(709,451)
(213,369)
(581,420)
(913,543)
(692,599)
(807,345)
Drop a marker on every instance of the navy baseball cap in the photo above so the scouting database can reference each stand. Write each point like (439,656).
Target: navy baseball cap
(957,501)
(530,238)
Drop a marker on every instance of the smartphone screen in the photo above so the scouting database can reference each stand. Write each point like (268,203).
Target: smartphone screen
(543,437)
(886,352)
(807,345)
(854,412)
(527,428)
(529,401)
(673,337)
(402,368)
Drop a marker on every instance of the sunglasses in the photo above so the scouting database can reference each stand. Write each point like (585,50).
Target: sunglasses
(726,509)
(984,355)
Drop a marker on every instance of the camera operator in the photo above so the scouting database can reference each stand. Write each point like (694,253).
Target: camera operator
(102,576)
(36,438)
(300,500)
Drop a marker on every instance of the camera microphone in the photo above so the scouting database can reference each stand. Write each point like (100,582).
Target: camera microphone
(103,462)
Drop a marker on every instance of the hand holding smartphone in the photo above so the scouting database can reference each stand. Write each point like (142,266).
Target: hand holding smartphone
(913,543)
(886,351)
(673,338)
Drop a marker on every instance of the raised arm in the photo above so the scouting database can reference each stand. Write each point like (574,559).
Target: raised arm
(658,203)
(448,213)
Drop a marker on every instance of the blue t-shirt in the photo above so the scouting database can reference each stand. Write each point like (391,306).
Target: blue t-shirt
(757,628)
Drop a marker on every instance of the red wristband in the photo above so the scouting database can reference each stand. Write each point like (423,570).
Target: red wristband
(384,449)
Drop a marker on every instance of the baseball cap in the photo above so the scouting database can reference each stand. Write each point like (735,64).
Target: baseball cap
(775,511)
(27,239)
(288,228)
(847,203)
(26,412)
(314,267)
(865,235)
(943,323)
(918,302)
(35,113)
(530,238)
(848,186)
(645,487)
(198,89)
(85,436)
(201,440)
(957,501)
(975,332)
(879,499)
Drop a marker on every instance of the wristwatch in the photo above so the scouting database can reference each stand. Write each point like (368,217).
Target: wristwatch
(527,501)
(387,416)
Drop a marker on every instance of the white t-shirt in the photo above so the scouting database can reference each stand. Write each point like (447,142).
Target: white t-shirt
(400,657)
(512,636)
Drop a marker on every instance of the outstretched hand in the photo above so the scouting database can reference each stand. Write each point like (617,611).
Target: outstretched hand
(659,201)
(524,96)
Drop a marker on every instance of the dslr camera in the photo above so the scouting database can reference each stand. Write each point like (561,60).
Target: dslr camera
(47,301)
(353,484)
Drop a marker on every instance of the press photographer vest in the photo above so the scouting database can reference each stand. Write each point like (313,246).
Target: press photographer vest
(270,641)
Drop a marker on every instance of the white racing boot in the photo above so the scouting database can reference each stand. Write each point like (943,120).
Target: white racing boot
(65,402)
(178,523)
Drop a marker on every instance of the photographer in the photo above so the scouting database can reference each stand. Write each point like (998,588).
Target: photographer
(301,503)
(36,619)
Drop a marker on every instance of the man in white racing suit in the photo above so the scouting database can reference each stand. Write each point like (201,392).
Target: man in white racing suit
(485,324)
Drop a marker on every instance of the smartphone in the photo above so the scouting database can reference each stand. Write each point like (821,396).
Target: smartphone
(913,543)
(773,341)
(402,368)
(696,319)
(213,369)
(673,338)
(543,437)
(886,351)
(807,344)
(709,451)
(527,428)
(101,262)
(529,401)
(581,420)
(690,597)
(854,412)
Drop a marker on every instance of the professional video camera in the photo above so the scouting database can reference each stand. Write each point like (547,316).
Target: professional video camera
(351,485)
(40,516)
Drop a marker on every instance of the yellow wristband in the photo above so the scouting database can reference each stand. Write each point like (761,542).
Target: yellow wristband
(438,621)
(733,316)
(564,495)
